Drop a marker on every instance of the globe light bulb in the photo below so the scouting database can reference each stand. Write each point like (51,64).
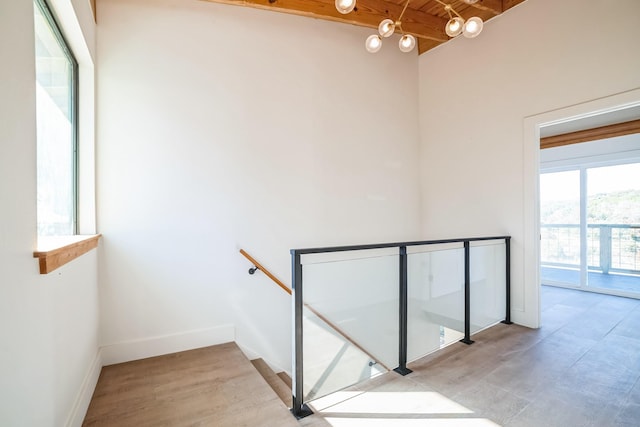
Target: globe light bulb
(407,43)
(373,43)
(454,27)
(345,6)
(386,27)
(472,27)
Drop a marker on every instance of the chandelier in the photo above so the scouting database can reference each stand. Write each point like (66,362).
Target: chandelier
(454,27)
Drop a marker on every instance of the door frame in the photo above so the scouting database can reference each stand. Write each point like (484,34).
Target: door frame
(531,190)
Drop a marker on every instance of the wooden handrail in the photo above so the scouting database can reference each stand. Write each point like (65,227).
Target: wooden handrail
(311,309)
(265,271)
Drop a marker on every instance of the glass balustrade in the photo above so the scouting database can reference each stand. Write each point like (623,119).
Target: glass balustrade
(360,311)
(435,298)
(488,283)
(350,318)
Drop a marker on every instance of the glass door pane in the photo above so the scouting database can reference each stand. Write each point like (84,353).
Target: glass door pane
(560,227)
(613,221)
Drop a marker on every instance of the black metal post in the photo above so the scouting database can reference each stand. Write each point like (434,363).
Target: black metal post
(467,296)
(507,248)
(403,305)
(299,409)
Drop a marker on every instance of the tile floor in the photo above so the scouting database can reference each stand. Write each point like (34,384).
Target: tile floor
(581,368)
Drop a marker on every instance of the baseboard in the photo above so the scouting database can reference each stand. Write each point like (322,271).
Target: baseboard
(79,410)
(158,346)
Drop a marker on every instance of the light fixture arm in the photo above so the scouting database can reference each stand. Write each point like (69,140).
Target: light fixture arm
(398,22)
(403,11)
(449,9)
(457,25)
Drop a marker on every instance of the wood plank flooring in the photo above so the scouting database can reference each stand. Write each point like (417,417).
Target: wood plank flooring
(582,368)
(212,386)
(277,384)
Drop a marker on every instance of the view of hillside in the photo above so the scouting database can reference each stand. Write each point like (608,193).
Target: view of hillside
(561,245)
(622,207)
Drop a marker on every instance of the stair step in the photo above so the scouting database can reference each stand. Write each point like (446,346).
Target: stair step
(274,380)
(210,386)
(286,378)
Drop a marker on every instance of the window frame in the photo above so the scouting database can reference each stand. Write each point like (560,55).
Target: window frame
(56,29)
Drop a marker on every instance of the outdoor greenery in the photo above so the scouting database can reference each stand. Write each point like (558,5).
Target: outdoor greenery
(622,207)
(562,244)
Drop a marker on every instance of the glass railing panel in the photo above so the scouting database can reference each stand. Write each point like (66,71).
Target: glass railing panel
(435,298)
(488,283)
(331,362)
(351,318)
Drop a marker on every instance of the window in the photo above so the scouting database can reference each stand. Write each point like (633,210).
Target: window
(56,114)
(590,227)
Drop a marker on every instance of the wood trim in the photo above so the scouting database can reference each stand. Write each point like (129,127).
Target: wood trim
(60,254)
(603,132)
(93,9)
(369,14)
(266,272)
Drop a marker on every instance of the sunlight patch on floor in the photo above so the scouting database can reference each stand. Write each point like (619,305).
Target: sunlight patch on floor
(405,402)
(395,409)
(410,422)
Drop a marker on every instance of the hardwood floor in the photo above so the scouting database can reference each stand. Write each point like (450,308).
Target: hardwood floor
(582,368)
(212,386)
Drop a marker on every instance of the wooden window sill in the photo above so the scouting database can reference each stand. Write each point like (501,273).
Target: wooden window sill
(56,251)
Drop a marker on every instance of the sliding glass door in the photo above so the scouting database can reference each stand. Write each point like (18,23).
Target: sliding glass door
(560,227)
(590,228)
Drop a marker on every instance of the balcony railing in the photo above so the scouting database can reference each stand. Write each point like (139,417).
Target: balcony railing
(398,301)
(611,248)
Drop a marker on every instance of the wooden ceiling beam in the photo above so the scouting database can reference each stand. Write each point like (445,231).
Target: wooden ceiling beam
(368,13)
(603,132)
(425,45)
(493,6)
(508,4)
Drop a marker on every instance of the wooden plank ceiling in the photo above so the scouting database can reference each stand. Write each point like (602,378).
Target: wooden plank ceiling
(425,19)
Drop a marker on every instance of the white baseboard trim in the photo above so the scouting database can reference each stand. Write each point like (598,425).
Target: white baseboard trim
(158,346)
(79,410)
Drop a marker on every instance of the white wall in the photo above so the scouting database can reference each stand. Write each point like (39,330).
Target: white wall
(474,97)
(48,323)
(222,128)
